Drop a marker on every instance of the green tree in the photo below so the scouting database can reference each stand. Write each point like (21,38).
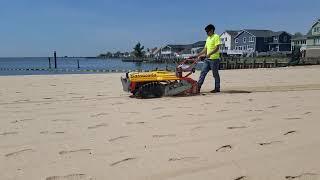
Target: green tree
(138,50)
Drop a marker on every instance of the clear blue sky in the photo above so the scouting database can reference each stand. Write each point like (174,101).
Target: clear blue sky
(90,27)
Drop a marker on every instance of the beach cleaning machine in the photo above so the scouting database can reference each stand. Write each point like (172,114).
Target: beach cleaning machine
(158,83)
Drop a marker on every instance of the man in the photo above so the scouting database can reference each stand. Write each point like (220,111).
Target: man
(212,58)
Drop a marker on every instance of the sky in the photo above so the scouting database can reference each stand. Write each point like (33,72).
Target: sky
(36,28)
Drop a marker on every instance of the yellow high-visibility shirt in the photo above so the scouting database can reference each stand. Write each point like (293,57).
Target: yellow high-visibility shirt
(211,43)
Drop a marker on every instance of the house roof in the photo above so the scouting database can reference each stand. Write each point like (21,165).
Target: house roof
(316,22)
(299,37)
(175,46)
(233,32)
(309,34)
(262,33)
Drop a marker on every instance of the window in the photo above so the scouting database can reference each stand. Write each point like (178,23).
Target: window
(265,39)
(275,38)
(315,30)
(236,40)
(248,47)
(251,39)
(285,38)
(222,39)
(244,40)
(226,39)
(317,41)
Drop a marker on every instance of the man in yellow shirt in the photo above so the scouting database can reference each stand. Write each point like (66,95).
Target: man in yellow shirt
(212,58)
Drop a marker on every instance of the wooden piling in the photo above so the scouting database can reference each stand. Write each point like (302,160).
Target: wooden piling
(55,59)
(49,62)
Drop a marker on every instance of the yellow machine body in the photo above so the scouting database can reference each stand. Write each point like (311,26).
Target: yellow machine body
(152,76)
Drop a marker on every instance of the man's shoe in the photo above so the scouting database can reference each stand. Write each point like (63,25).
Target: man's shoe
(215,91)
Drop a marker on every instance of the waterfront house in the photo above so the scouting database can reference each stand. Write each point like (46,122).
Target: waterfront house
(227,41)
(251,41)
(299,40)
(170,51)
(313,40)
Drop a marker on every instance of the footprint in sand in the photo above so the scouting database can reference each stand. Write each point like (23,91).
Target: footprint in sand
(237,127)
(225,148)
(47,98)
(269,143)
(118,138)
(162,136)
(19,152)
(71,177)
(183,158)
(62,120)
(22,120)
(222,110)
(271,107)
(242,178)
(233,102)
(184,107)
(158,108)
(131,123)
(75,151)
(100,114)
(304,176)
(289,132)
(122,161)
(8,133)
(256,119)
(293,118)
(164,117)
(197,128)
(98,126)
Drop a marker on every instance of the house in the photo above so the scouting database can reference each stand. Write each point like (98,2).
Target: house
(227,41)
(185,53)
(156,52)
(251,41)
(176,50)
(172,50)
(299,41)
(313,40)
(197,47)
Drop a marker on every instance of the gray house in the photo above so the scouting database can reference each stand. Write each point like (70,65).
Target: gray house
(250,40)
(313,40)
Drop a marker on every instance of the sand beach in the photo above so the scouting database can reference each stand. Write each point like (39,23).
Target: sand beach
(263,126)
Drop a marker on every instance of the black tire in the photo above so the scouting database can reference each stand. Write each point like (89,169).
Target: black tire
(151,90)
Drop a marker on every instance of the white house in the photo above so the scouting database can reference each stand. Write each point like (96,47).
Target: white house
(227,41)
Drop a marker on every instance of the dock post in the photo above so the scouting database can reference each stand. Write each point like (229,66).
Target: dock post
(55,59)
(49,62)
(78,63)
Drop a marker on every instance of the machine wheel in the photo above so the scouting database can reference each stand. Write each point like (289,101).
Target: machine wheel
(151,90)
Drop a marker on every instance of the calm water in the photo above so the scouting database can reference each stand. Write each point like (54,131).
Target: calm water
(70,66)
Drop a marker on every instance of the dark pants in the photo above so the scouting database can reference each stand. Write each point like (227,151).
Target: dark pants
(207,66)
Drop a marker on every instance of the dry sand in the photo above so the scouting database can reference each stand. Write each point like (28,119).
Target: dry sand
(84,127)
